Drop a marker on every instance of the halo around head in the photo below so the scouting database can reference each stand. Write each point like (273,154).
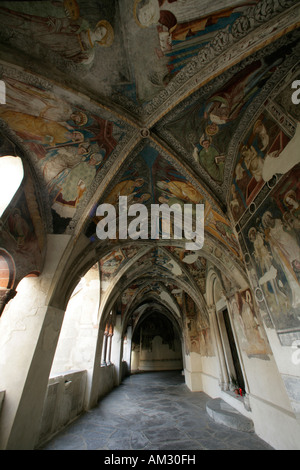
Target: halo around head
(291,194)
(72,9)
(156,12)
(135,8)
(82,118)
(108,39)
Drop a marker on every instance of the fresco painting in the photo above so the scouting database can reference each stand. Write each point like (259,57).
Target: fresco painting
(111,264)
(60,27)
(253,340)
(272,239)
(127,296)
(197,330)
(71,143)
(283,98)
(22,232)
(109,267)
(177,30)
(80,31)
(205,127)
(175,292)
(152,179)
(82,37)
(154,259)
(89,35)
(262,155)
(198,271)
(174,188)
(196,266)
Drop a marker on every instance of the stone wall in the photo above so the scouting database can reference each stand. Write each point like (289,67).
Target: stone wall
(63,403)
(106,380)
(156,345)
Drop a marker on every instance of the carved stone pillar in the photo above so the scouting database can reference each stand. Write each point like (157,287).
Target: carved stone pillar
(104,348)
(110,336)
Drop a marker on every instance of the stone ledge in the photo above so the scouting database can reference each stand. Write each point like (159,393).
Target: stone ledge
(222,413)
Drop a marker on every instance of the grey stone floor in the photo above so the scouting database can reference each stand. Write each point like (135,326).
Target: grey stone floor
(152,411)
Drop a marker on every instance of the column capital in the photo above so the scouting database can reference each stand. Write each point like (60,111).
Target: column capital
(211,309)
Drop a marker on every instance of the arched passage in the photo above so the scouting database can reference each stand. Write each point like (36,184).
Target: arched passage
(155,133)
(156,342)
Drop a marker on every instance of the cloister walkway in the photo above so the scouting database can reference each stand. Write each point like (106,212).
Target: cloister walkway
(152,411)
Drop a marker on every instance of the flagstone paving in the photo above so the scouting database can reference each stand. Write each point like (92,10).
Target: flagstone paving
(152,411)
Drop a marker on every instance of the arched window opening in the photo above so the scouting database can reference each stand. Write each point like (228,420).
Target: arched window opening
(78,336)
(7,270)
(11,176)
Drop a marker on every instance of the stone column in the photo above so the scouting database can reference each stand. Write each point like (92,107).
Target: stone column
(127,349)
(116,351)
(104,348)
(110,339)
(29,331)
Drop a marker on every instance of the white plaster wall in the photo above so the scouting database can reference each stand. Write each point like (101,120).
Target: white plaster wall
(76,345)
(270,407)
(29,331)
(265,382)
(161,357)
(273,412)
(193,371)
(288,363)
(210,376)
(157,365)
(275,425)
(202,374)
(135,359)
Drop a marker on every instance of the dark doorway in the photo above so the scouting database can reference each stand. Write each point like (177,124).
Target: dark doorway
(233,350)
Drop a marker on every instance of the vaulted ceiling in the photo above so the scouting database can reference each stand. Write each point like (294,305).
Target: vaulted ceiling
(127,114)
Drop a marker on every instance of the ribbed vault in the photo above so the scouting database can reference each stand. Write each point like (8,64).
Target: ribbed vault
(129,115)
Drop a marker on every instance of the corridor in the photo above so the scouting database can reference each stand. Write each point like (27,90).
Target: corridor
(152,411)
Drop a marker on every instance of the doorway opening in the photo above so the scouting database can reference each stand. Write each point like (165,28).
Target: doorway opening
(231,353)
